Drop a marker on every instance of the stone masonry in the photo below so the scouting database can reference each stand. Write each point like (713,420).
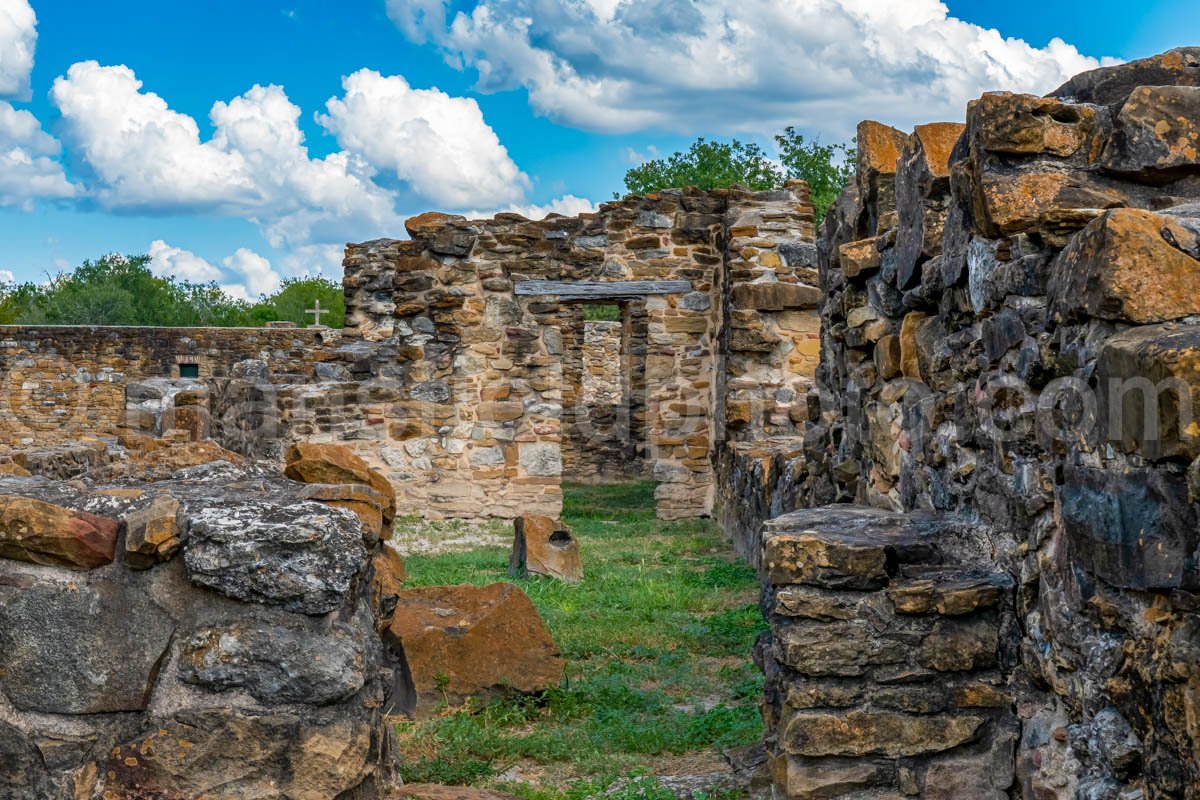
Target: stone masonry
(1003,600)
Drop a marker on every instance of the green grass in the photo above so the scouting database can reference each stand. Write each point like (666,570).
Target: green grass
(657,640)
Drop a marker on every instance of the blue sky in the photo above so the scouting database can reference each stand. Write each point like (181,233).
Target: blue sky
(539,104)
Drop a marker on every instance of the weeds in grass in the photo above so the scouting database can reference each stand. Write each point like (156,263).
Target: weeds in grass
(657,640)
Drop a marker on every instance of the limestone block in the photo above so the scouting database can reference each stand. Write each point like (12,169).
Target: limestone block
(860,733)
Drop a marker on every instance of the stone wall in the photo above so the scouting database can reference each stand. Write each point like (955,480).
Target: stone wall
(177,629)
(485,371)
(1008,351)
(60,383)
(597,444)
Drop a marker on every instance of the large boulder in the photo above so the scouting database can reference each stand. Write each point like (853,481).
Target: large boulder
(472,641)
(249,667)
(89,647)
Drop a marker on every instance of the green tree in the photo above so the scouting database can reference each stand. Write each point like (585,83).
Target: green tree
(293,299)
(716,165)
(707,165)
(826,168)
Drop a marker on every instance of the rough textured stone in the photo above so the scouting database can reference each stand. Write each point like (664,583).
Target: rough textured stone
(1127,265)
(277,663)
(545,547)
(1157,136)
(466,641)
(845,547)
(302,557)
(84,648)
(221,754)
(153,533)
(43,533)
(859,733)
(321,463)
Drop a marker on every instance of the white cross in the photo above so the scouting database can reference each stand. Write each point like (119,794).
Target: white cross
(317,311)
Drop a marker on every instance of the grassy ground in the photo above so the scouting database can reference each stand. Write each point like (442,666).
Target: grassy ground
(657,640)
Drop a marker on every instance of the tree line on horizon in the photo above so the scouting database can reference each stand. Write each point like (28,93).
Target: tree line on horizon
(122,290)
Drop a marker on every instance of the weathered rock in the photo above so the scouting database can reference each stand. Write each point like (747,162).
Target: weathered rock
(545,547)
(949,594)
(84,648)
(1133,530)
(1149,390)
(845,547)
(859,733)
(1126,265)
(466,641)
(328,463)
(278,663)
(1157,136)
(774,296)
(302,557)
(366,502)
(1111,85)
(1022,124)
(961,645)
(43,533)
(22,770)
(226,755)
(818,778)
(153,533)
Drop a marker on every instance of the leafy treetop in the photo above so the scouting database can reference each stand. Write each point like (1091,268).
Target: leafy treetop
(715,165)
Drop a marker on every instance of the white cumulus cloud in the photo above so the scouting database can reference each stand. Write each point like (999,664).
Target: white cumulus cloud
(18,37)
(174,262)
(144,156)
(727,66)
(29,169)
(568,205)
(255,271)
(439,145)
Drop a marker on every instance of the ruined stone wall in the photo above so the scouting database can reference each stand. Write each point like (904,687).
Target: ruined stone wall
(597,444)
(1009,344)
(205,632)
(61,383)
(485,371)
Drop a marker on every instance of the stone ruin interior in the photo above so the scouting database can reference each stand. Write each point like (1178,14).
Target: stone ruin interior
(952,425)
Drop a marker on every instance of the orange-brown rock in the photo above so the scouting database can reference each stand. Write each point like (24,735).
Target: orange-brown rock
(366,502)
(44,533)
(1024,124)
(427,223)
(388,574)
(544,546)
(935,142)
(153,533)
(1111,85)
(16,470)
(879,149)
(467,641)
(1015,203)
(1157,136)
(331,463)
(858,257)
(1126,265)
